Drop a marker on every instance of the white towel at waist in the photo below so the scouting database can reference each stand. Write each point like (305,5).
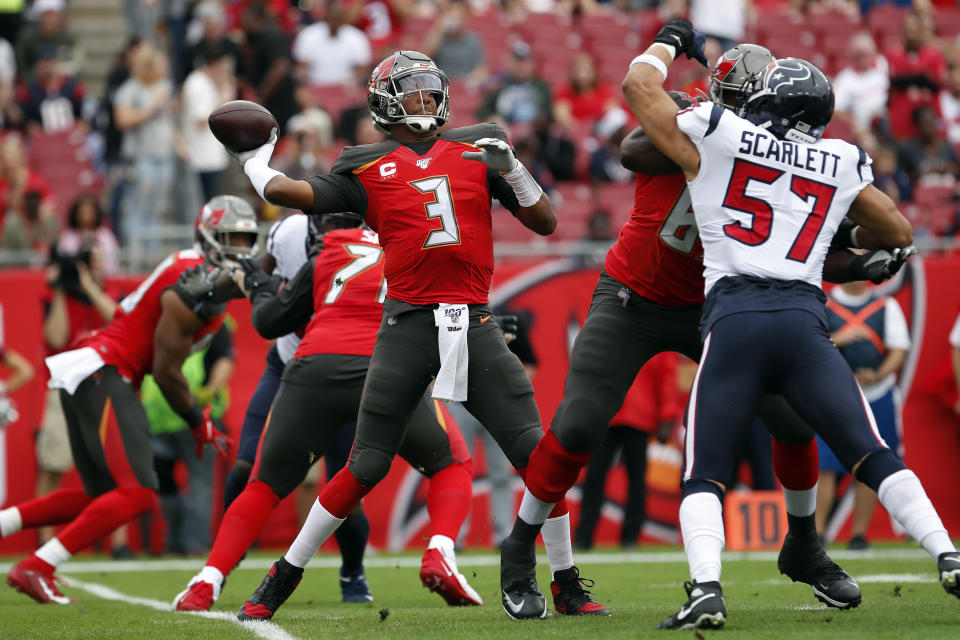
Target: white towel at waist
(452,321)
(70,368)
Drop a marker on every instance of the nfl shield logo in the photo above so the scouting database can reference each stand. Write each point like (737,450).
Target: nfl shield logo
(453,315)
(423,163)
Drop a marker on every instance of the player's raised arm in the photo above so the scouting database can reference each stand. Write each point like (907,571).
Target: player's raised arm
(640,155)
(652,106)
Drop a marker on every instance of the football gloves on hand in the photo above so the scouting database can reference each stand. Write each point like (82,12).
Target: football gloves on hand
(681,35)
(197,282)
(494,153)
(880,265)
(252,279)
(206,433)
(508,325)
(264,151)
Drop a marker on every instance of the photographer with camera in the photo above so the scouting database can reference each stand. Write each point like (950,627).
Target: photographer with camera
(76,304)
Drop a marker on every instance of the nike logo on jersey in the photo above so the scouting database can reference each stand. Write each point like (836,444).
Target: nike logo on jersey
(484,319)
(514,606)
(687,608)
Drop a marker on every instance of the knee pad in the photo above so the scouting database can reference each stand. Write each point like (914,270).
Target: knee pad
(578,430)
(877,466)
(698,485)
(369,466)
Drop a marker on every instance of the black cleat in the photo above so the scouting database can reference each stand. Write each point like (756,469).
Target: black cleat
(279,583)
(948,564)
(704,608)
(569,596)
(519,592)
(805,560)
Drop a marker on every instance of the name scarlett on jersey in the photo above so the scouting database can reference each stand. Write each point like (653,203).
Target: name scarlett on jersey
(788,153)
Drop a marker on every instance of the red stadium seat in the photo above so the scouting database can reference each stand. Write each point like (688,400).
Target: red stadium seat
(885,20)
(840,128)
(932,196)
(835,22)
(947,22)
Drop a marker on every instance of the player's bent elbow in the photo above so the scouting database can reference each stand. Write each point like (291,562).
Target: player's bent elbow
(273,191)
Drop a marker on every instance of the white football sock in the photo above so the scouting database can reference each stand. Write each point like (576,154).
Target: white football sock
(556,538)
(902,495)
(801,503)
(701,524)
(533,510)
(446,547)
(10,522)
(319,526)
(53,553)
(212,575)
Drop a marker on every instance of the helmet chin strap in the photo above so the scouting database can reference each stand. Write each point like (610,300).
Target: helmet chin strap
(421,124)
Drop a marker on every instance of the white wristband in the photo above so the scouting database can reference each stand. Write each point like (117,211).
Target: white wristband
(259,173)
(527,190)
(653,61)
(853,238)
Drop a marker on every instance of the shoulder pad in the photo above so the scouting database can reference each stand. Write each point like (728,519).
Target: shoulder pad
(474,132)
(353,158)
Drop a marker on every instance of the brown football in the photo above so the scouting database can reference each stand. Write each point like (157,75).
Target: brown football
(241,125)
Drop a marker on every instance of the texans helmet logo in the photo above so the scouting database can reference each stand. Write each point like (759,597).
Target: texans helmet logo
(784,73)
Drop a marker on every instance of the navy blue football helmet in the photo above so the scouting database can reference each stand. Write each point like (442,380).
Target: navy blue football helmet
(791,97)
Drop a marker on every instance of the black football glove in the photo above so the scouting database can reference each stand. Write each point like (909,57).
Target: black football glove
(197,282)
(879,265)
(508,325)
(256,280)
(681,35)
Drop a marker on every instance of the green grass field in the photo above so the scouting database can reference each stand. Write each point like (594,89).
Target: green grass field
(901,599)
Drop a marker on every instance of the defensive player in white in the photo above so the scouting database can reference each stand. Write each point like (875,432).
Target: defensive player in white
(768,195)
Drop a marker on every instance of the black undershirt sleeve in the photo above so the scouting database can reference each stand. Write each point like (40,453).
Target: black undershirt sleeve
(277,315)
(501,191)
(337,193)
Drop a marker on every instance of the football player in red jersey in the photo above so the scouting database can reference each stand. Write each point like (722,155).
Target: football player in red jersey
(152,331)
(428,196)
(648,300)
(338,295)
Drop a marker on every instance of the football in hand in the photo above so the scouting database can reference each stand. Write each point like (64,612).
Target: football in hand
(241,125)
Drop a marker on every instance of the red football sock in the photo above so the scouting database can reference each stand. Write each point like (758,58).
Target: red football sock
(553,469)
(104,514)
(796,465)
(57,507)
(241,525)
(343,493)
(448,503)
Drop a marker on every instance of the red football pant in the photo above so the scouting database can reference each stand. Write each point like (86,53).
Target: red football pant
(241,525)
(797,465)
(57,507)
(104,514)
(552,470)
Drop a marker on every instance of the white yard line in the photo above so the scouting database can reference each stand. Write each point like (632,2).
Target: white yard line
(485,560)
(261,629)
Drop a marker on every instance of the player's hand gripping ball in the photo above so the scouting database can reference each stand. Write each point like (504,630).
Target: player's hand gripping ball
(494,153)
(243,127)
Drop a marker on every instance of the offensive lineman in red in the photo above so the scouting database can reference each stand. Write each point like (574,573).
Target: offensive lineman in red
(648,300)
(428,196)
(152,331)
(339,291)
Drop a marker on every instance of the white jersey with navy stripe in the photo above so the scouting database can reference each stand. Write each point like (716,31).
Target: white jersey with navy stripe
(767,207)
(288,243)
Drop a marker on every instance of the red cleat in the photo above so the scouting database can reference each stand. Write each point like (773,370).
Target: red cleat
(570,598)
(440,575)
(39,585)
(198,596)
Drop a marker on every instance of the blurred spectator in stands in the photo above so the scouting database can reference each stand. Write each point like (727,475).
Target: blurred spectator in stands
(950,103)
(305,150)
(527,150)
(861,88)
(354,119)
(605,160)
(917,70)
(267,64)
(118,168)
(557,151)
(723,21)
(143,17)
(592,248)
(205,89)
(49,32)
(382,22)
(144,112)
(652,406)
(584,98)
(521,95)
(456,50)
(86,228)
(210,19)
(26,200)
(188,509)
(331,52)
(52,101)
(10,113)
(76,303)
(889,177)
(928,159)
